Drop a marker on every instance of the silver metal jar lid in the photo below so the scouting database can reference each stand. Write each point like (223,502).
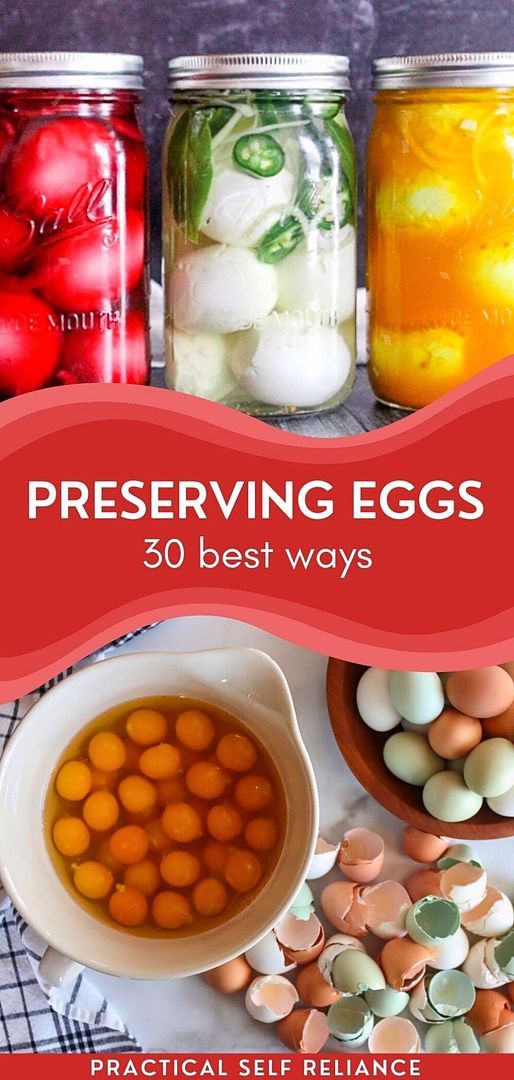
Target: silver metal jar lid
(71,70)
(457,70)
(254,71)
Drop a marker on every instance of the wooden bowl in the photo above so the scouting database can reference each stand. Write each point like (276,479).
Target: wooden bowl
(362,750)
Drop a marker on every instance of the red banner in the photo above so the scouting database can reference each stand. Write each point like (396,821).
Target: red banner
(123,505)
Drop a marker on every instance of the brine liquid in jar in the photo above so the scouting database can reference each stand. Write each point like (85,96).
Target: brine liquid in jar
(440,224)
(73,222)
(259,233)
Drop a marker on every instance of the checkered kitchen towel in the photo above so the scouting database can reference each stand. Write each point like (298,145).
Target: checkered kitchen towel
(34,1017)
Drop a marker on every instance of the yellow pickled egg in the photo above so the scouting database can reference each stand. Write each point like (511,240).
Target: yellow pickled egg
(101,811)
(261,834)
(171,910)
(429,201)
(159,839)
(182,823)
(144,876)
(194,729)
(210,897)
(206,780)
(93,880)
(128,906)
(71,836)
(172,790)
(146,727)
(137,794)
(253,792)
(215,855)
(224,821)
(74,781)
(129,844)
(106,751)
(180,869)
(243,871)
(236,752)
(436,359)
(160,762)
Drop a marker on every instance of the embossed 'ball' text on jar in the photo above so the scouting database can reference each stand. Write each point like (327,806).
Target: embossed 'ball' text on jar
(259,232)
(440,216)
(73,221)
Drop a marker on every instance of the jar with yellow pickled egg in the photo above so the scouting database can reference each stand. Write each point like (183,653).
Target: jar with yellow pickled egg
(440,210)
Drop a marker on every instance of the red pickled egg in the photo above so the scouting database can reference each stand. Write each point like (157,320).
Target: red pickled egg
(30,342)
(117,355)
(53,160)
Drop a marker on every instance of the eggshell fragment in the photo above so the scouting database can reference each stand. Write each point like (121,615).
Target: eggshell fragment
(323,860)
(303,903)
(301,940)
(340,904)
(313,988)
(489,1011)
(482,967)
(451,993)
(354,972)
(270,997)
(305,1031)
(504,955)
(492,917)
(418,695)
(374,700)
(394,1035)
(361,856)
(231,977)
(420,1006)
(404,963)
(426,882)
(503,804)
(423,847)
(350,1021)
(335,945)
(451,1037)
(453,735)
(458,853)
(489,768)
(432,921)
(385,909)
(387,1002)
(465,885)
(267,957)
(482,692)
(500,1041)
(501,726)
(452,953)
(446,796)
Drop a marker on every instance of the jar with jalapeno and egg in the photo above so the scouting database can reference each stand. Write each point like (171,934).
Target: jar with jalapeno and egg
(259,232)
(440,222)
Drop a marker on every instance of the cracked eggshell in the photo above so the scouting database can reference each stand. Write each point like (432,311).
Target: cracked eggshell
(503,804)
(500,1041)
(301,940)
(482,967)
(303,903)
(504,955)
(200,365)
(267,957)
(432,921)
(313,988)
(387,1002)
(320,282)
(323,860)
(350,1021)
(404,963)
(465,885)
(451,1037)
(423,847)
(231,977)
(241,208)
(394,1035)
(270,997)
(420,1006)
(385,905)
(219,289)
(335,945)
(492,917)
(417,695)
(490,1011)
(426,882)
(452,954)
(305,1031)
(361,857)
(459,853)
(355,972)
(374,700)
(340,904)
(450,993)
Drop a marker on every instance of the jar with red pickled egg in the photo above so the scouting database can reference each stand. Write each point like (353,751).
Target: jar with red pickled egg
(73,221)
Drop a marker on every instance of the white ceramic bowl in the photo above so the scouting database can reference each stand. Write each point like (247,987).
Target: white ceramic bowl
(245,682)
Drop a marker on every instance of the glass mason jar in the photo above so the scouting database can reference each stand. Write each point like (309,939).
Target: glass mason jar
(440,217)
(259,232)
(73,222)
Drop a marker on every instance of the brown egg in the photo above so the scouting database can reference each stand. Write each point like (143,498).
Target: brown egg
(481,693)
(230,977)
(340,904)
(301,940)
(453,734)
(490,1011)
(403,963)
(423,847)
(501,726)
(304,1031)
(313,989)
(426,882)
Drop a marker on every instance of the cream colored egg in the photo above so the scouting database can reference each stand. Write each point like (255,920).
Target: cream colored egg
(447,797)
(410,757)
(374,700)
(241,208)
(219,289)
(503,804)
(489,769)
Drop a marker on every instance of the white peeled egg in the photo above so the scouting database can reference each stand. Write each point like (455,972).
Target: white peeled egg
(503,804)
(200,365)
(452,954)
(333,947)
(288,362)
(323,860)
(493,917)
(270,997)
(267,957)
(374,700)
(321,282)
(241,208)
(220,289)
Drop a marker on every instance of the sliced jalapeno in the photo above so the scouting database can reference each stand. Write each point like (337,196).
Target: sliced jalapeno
(328,110)
(280,240)
(259,155)
(344,211)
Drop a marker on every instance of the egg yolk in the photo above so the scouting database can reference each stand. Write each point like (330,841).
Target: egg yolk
(180,868)
(100,780)
(137,794)
(105,856)
(101,811)
(129,844)
(132,755)
(210,897)
(215,855)
(194,729)
(172,790)
(171,910)
(159,839)
(182,823)
(160,762)
(106,751)
(224,821)
(128,906)
(74,781)
(253,792)
(71,836)
(144,876)
(236,752)
(93,880)
(261,834)
(243,871)
(146,727)
(206,780)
